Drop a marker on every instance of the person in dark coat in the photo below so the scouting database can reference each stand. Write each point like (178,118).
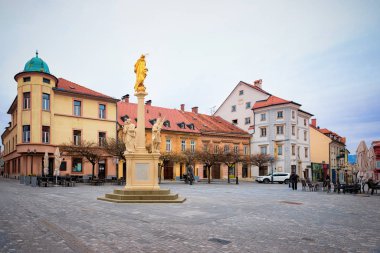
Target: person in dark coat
(294,180)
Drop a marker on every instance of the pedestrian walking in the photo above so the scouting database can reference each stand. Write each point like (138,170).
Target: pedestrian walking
(294,180)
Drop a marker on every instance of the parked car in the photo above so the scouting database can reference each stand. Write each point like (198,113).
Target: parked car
(279,177)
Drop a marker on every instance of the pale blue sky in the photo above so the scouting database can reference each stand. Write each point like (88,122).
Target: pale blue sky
(322,54)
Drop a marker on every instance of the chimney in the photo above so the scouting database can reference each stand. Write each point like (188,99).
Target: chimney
(258,83)
(125,98)
(314,122)
(149,102)
(183,107)
(194,109)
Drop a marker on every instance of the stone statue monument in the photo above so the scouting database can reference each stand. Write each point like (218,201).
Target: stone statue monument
(141,72)
(156,135)
(129,135)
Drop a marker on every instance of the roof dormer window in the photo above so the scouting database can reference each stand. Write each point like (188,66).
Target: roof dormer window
(152,121)
(167,123)
(181,125)
(124,118)
(190,126)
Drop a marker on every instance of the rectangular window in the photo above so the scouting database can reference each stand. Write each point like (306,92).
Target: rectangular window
(45,101)
(233,108)
(102,139)
(77,137)
(77,165)
(304,122)
(293,114)
(306,152)
(168,145)
(26,101)
(102,111)
(45,80)
(293,150)
(26,79)
(26,133)
(45,134)
(248,105)
(279,149)
(192,146)
(246,150)
(280,114)
(226,148)
(216,149)
(263,150)
(248,120)
(263,131)
(183,145)
(77,107)
(298,152)
(377,164)
(241,92)
(293,130)
(63,166)
(305,135)
(280,130)
(236,149)
(263,117)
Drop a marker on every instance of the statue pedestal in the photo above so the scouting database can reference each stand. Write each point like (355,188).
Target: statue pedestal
(142,171)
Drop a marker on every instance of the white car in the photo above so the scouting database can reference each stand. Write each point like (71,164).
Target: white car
(279,177)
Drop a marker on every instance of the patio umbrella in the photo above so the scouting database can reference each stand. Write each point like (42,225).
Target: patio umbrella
(46,163)
(362,158)
(371,160)
(57,163)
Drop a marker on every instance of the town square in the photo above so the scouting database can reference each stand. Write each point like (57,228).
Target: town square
(166,127)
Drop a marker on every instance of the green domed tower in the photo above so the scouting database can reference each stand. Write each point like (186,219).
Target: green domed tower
(34,105)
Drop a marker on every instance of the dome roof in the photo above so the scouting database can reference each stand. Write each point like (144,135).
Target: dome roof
(36,64)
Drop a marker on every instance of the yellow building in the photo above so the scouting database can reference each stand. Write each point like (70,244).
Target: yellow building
(48,112)
(189,131)
(319,152)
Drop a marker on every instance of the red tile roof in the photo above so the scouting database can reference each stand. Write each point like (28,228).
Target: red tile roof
(68,86)
(256,88)
(328,132)
(214,124)
(271,100)
(202,122)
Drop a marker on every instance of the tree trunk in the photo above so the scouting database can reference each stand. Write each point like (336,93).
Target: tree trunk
(93,170)
(208,174)
(228,174)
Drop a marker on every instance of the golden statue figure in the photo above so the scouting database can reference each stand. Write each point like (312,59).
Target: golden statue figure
(141,72)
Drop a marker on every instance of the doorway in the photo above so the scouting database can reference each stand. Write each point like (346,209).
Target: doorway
(102,169)
(124,170)
(181,170)
(263,170)
(215,171)
(293,168)
(168,170)
(244,170)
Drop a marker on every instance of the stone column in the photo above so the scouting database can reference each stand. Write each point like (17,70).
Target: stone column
(140,131)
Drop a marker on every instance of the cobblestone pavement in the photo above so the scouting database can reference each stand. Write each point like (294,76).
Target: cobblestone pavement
(249,217)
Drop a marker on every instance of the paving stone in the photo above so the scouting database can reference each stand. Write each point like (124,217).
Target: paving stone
(221,217)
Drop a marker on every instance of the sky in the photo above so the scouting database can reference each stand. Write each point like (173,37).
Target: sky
(324,55)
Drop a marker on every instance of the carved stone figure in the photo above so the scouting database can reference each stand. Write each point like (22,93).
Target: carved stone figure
(156,135)
(141,72)
(129,136)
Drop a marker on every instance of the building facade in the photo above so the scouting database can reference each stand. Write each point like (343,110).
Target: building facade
(188,131)
(319,152)
(282,130)
(278,127)
(48,112)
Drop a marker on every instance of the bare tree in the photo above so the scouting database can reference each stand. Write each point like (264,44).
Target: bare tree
(165,158)
(115,147)
(231,159)
(89,150)
(209,159)
(260,160)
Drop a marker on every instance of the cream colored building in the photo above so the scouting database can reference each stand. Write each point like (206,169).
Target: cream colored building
(48,112)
